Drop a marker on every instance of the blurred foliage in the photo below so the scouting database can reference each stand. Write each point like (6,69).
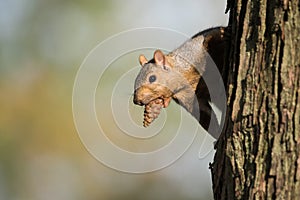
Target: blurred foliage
(42,44)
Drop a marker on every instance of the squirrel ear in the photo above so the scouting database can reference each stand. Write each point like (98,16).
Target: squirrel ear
(143,60)
(159,57)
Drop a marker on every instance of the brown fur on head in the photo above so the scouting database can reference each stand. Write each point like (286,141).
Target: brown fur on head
(152,82)
(159,78)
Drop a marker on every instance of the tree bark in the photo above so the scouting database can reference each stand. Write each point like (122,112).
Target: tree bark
(258,154)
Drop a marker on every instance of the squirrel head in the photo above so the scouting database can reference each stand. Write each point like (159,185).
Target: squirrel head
(153,81)
(158,79)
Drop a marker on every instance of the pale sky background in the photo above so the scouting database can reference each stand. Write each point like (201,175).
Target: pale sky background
(42,45)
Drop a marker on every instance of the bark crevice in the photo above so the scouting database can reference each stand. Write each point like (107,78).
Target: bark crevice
(258,155)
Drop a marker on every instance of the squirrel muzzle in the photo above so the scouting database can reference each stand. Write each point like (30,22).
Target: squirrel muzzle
(143,97)
(137,100)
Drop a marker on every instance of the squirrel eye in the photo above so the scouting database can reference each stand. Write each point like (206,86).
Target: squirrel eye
(152,78)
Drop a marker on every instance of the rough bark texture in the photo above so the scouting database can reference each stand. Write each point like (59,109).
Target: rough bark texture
(258,155)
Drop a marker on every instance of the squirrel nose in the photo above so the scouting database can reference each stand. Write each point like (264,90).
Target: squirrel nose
(136,100)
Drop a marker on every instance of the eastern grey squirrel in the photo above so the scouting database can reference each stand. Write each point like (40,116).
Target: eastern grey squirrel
(178,76)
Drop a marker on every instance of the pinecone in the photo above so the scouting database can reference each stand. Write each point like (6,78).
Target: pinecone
(152,110)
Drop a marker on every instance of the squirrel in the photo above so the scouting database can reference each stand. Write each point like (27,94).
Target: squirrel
(178,76)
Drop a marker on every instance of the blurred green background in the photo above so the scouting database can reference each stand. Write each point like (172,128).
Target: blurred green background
(42,44)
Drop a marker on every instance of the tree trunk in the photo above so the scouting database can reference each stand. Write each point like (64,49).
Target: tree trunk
(258,154)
